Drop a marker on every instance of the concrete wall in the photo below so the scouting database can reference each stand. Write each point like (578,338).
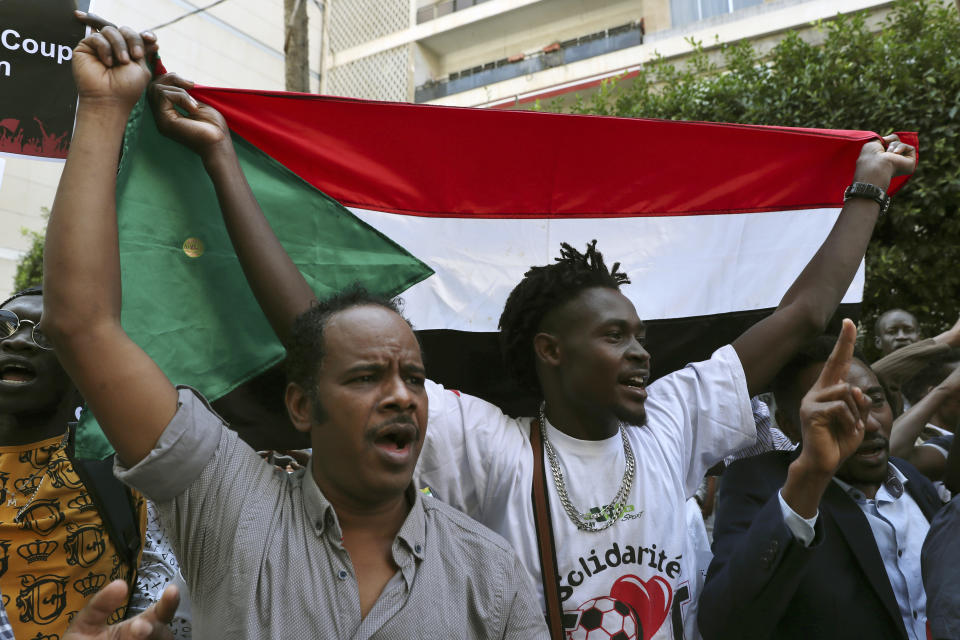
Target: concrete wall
(236,44)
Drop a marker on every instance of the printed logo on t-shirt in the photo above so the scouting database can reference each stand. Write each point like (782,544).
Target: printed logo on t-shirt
(603,514)
(634,608)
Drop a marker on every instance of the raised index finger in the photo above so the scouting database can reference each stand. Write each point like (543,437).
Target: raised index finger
(92,20)
(838,364)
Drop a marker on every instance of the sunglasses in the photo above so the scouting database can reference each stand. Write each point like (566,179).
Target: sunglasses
(10,323)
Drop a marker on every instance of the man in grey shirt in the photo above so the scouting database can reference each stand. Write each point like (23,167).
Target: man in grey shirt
(342,549)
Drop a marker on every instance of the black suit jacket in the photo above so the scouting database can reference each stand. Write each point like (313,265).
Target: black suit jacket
(762,583)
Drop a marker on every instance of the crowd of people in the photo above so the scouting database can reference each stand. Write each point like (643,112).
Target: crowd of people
(425,512)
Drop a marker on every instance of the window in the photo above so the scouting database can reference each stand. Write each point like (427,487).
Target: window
(686,11)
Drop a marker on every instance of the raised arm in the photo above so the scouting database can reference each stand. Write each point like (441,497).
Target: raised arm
(907,427)
(904,363)
(129,395)
(748,593)
(813,298)
(832,418)
(281,290)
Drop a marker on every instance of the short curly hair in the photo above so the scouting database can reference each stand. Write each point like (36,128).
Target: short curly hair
(815,351)
(542,290)
(29,291)
(306,349)
(878,324)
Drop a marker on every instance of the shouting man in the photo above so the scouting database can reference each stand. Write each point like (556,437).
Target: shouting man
(344,549)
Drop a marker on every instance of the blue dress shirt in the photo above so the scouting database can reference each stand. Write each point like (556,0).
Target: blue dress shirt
(899,528)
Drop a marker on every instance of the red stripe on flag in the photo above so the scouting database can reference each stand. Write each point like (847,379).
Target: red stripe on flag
(455,162)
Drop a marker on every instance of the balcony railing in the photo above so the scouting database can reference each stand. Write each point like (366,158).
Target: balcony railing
(553,55)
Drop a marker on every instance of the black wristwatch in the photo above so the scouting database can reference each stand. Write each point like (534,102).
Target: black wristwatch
(870,192)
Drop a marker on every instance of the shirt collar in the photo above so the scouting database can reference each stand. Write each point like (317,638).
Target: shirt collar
(410,539)
(893,484)
(410,544)
(319,511)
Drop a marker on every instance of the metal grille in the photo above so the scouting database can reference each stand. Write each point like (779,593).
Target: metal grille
(354,22)
(382,76)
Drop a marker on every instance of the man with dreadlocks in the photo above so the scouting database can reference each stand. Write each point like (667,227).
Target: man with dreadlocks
(622,459)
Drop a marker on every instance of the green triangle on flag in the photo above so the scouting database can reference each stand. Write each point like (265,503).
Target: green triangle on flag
(185,299)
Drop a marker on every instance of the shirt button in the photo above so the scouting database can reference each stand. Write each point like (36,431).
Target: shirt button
(342,574)
(899,553)
(914,615)
(418,548)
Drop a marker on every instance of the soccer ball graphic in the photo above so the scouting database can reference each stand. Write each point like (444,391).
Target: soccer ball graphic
(605,619)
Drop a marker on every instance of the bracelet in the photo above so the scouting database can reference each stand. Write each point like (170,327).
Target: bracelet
(870,192)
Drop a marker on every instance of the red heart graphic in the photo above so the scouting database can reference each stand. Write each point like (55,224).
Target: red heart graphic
(651,600)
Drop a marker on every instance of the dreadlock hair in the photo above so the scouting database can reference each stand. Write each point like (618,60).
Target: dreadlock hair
(306,349)
(29,291)
(542,290)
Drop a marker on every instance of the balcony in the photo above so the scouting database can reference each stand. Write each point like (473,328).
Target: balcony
(446,7)
(554,55)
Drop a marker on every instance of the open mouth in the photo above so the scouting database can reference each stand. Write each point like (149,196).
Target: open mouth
(396,440)
(871,451)
(636,383)
(16,373)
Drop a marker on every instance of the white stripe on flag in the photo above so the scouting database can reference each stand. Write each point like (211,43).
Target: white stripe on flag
(680,266)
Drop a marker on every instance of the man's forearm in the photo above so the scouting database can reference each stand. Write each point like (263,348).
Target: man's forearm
(84,215)
(804,489)
(904,363)
(277,283)
(823,282)
(812,299)
(906,429)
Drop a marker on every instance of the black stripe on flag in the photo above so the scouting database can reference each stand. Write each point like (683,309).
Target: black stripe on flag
(471,363)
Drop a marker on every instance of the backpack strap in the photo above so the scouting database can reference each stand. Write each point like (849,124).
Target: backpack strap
(116,507)
(545,544)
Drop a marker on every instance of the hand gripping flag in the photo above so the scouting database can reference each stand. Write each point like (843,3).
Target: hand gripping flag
(450,206)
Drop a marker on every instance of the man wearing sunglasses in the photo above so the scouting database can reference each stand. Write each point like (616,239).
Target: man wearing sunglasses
(36,396)
(67,528)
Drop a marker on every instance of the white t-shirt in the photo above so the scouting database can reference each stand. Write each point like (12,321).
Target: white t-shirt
(480,461)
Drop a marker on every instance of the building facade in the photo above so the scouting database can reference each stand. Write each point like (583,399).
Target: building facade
(510,53)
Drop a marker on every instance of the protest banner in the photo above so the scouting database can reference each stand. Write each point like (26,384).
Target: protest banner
(38,99)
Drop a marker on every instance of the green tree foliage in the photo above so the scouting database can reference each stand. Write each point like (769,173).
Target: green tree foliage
(30,268)
(904,77)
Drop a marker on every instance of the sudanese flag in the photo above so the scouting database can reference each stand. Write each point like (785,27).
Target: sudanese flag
(450,206)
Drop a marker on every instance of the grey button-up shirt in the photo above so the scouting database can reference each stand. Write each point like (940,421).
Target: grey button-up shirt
(261,551)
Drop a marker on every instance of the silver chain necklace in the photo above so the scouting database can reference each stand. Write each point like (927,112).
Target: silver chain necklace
(607,515)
